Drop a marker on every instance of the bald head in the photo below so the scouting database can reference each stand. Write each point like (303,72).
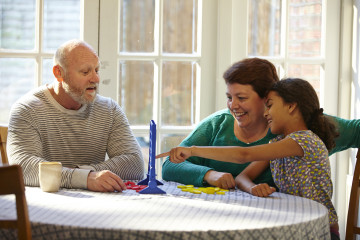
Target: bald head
(63,52)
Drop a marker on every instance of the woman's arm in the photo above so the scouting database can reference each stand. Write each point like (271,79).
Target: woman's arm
(349,134)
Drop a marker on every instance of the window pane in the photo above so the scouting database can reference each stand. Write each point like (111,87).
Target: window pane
(17,77)
(136,90)
(144,143)
(178,93)
(305,28)
(17,24)
(137,26)
(48,76)
(61,22)
(264,27)
(180,26)
(308,72)
(169,141)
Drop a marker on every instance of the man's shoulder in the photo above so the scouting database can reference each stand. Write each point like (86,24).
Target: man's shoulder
(105,101)
(34,96)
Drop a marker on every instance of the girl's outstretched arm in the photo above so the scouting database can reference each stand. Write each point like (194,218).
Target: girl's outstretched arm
(284,148)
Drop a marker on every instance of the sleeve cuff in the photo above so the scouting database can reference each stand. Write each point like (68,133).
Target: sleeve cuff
(86,167)
(79,178)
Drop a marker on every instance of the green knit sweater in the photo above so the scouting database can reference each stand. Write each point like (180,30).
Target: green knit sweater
(218,130)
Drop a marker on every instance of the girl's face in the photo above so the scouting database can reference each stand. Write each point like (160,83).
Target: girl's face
(245,105)
(276,113)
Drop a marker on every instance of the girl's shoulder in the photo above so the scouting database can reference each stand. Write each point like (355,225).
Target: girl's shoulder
(299,136)
(304,135)
(308,140)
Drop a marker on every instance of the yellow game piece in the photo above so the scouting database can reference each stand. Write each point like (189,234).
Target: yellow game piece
(195,191)
(181,186)
(224,190)
(210,190)
(220,192)
(202,189)
(186,189)
(189,186)
(217,189)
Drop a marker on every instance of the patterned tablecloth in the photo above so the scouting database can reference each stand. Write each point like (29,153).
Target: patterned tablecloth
(81,214)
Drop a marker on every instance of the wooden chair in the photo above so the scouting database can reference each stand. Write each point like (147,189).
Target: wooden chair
(3,137)
(352,228)
(12,182)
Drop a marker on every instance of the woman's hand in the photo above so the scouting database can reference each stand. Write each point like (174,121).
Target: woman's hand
(220,179)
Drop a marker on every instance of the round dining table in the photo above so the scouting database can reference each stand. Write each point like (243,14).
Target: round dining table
(176,214)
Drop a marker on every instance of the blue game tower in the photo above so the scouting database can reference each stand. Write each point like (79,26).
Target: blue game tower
(150,179)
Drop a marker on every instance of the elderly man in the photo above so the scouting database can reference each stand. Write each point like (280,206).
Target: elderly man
(69,122)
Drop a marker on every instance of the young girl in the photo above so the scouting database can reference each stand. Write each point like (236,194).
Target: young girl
(298,156)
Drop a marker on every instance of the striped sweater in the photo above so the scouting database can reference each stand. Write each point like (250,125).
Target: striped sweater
(40,129)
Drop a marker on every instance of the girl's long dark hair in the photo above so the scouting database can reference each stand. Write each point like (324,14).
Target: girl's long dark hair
(296,90)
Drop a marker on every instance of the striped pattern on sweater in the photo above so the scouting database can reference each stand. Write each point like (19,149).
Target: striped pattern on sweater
(40,129)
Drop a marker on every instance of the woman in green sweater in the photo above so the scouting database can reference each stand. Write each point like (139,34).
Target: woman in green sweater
(242,124)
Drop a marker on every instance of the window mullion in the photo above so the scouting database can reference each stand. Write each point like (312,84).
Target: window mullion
(38,41)
(158,62)
(284,36)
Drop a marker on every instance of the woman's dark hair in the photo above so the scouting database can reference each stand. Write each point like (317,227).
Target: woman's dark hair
(296,90)
(259,73)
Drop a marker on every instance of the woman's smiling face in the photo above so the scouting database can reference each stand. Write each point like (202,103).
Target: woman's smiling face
(245,104)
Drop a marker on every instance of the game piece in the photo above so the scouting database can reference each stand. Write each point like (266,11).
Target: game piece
(210,191)
(196,191)
(207,190)
(151,180)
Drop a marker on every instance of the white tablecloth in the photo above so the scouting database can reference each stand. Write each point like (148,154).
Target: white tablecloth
(81,214)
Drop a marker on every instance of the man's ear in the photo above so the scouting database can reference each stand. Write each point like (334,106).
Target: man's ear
(58,73)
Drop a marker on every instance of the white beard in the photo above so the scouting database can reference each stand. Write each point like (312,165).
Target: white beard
(77,94)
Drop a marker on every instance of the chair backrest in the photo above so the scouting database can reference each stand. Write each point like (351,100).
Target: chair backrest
(12,182)
(352,228)
(3,138)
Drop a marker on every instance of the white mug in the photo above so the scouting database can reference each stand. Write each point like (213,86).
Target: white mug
(50,176)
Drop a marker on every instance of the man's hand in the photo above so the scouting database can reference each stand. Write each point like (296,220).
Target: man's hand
(220,179)
(262,190)
(105,181)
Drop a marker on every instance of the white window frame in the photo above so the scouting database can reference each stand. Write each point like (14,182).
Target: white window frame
(89,22)
(207,37)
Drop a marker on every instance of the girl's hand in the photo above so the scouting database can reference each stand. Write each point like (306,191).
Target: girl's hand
(177,155)
(262,190)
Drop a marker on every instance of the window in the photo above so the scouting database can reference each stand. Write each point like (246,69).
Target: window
(298,36)
(30,31)
(156,65)
(296,43)
(158,59)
